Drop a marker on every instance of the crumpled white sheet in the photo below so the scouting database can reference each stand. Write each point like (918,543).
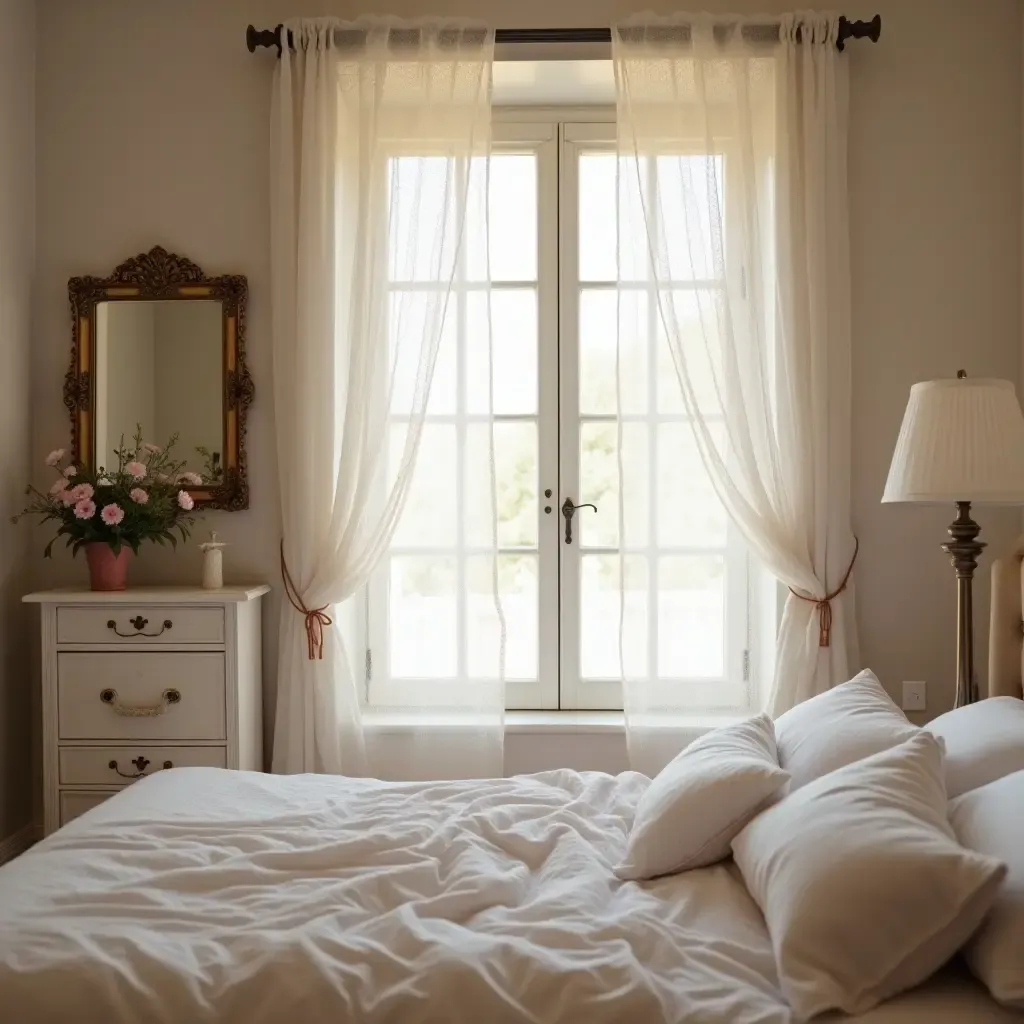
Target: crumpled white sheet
(206,895)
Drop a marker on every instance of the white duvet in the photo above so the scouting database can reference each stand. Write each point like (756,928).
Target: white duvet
(206,895)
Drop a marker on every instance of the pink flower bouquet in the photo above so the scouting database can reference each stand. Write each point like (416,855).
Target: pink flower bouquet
(144,498)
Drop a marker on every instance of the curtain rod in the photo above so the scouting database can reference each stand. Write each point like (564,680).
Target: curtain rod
(267,37)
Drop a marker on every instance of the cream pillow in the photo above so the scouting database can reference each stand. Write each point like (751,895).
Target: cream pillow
(692,809)
(861,881)
(984,742)
(851,721)
(991,820)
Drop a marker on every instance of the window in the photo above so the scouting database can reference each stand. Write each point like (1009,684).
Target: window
(558,304)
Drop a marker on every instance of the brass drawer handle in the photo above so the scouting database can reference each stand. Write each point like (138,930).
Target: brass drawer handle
(169,697)
(141,764)
(140,625)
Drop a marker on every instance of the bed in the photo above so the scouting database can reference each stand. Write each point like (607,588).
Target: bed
(316,898)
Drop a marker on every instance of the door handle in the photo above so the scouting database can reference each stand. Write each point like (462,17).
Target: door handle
(568,510)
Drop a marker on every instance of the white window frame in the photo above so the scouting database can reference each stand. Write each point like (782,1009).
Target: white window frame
(557,135)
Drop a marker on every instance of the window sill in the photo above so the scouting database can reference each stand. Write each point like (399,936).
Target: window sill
(542,722)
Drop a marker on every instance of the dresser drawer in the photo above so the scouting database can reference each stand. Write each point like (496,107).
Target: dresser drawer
(74,803)
(137,626)
(140,696)
(118,766)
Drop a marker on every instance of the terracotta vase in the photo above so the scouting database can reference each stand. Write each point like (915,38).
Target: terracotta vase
(107,571)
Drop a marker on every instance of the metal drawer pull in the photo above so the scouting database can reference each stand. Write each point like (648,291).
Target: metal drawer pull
(141,764)
(140,624)
(140,710)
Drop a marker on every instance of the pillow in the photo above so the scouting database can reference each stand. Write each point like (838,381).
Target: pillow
(851,721)
(991,820)
(692,809)
(863,886)
(984,742)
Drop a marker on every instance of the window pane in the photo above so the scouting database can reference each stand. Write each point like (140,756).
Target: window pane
(513,327)
(423,618)
(517,583)
(428,519)
(599,484)
(690,216)
(515,462)
(689,512)
(512,219)
(409,314)
(691,616)
(600,311)
(604,253)
(696,317)
(421,218)
(600,612)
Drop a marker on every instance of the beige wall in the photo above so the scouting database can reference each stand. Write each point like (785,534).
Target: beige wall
(125,376)
(153,128)
(17,174)
(189,381)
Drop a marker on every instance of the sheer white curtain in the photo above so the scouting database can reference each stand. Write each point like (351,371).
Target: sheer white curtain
(732,163)
(374,125)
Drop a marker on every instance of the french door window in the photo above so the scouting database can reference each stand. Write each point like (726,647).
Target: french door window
(589,432)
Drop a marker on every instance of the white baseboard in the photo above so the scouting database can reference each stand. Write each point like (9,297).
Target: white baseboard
(17,844)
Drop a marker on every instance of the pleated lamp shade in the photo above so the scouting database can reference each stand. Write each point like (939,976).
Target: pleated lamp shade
(961,440)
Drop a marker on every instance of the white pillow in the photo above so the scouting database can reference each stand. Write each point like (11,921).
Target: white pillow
(991,820)
(861,881)
(692,809)
(851,721)
(984,742)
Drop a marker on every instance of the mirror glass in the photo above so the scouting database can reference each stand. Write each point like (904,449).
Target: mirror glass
(159,365)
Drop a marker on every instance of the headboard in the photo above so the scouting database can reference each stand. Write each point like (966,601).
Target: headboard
(1006,628)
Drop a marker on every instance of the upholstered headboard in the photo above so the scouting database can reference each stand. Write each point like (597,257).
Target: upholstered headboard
(1006,630)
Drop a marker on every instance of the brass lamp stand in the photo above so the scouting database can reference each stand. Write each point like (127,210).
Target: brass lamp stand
(961,442)
(964,550)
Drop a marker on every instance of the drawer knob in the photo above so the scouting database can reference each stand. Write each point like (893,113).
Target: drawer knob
(139,623)
(140,763)
(168,697)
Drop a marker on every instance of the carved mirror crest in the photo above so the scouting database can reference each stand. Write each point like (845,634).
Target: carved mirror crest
(161,345)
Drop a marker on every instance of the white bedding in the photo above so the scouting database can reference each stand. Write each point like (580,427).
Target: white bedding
(206,895)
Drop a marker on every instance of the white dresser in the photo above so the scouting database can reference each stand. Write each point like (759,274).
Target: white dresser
(145,679)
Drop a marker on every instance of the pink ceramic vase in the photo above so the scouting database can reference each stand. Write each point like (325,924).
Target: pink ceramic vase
(107,571)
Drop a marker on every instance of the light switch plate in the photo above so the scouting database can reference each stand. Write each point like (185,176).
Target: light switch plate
(915,696)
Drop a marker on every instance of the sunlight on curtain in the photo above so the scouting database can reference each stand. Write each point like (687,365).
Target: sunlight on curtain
(378,129)
(732,206)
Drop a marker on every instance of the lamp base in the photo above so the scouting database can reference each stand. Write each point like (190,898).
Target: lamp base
(964,550)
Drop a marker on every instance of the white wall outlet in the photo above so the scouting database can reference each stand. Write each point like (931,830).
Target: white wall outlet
(915,696)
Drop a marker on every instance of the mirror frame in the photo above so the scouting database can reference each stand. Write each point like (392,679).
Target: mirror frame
(163,275)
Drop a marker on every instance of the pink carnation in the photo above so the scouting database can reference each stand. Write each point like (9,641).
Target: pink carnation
(80,492)
(193,479)
(55,456)
(59,486)
(68,498)
(136,470)
(138,495)
(185,501)
(71,471)
(85,509)
(112,514)
(153,449)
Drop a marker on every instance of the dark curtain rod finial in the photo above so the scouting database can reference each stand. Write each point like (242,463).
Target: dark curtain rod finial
(268,37)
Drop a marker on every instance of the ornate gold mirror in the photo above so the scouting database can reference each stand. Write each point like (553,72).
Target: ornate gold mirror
(160,345)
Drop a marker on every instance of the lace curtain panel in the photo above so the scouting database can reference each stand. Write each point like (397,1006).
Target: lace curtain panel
(380,142)
(733,214)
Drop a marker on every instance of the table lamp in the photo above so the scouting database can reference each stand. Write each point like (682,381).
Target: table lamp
(961,441)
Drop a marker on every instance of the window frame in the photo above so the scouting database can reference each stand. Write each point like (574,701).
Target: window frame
(553,133)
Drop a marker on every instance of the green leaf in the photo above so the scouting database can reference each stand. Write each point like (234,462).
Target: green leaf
(48,551)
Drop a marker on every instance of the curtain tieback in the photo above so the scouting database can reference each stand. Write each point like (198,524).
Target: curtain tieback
(316,618)
(825,603)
